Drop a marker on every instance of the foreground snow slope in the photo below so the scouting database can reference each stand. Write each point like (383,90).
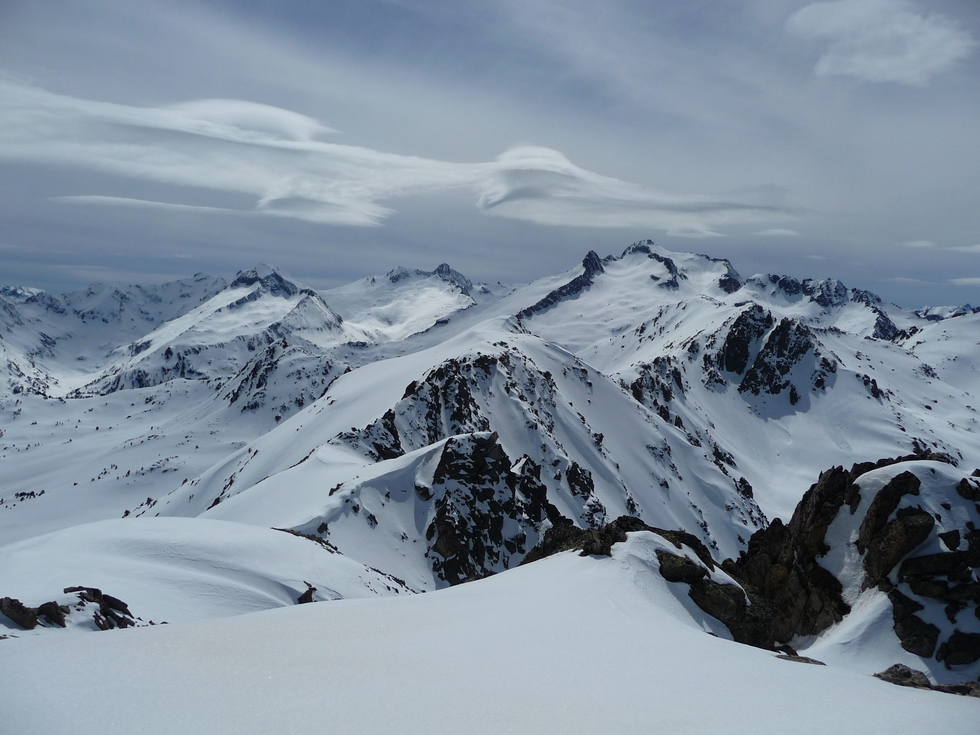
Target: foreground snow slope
(567,644)
(175,569)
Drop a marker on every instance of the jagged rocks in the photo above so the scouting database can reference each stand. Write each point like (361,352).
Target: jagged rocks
(781,565)
(747,329)
(894,541)
(785,346)
(112,612)
(481,522)
(828,293)
(564,536)
(53,613)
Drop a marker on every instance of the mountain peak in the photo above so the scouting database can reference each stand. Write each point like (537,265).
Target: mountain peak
(269,278)
(443,271)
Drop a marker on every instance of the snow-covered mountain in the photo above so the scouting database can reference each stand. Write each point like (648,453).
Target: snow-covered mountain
(415,430)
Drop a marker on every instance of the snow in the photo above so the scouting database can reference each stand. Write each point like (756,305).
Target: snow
(568,644)
(176,569)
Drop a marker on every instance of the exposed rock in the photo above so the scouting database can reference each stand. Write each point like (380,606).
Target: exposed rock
(951,539)
(905,533)
(726,602)
(966,689)
(916,635)
(592,266)
(780,564)
(25,617)
(53,613)
(968,489)
(799,659)
(747,329)
(904,676)
(564,536)
(306,597)
(828,293)
(676,568)
(785,346)
(961,649)
(883,505)
(112,612)
(481,521)
(944,563)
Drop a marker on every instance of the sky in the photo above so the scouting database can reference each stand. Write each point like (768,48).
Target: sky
(142,142)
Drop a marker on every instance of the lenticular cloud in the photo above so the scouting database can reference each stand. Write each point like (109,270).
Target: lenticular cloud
(283,159)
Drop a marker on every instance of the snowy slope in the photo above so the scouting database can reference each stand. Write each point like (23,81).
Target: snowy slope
(567,644)
(172,570)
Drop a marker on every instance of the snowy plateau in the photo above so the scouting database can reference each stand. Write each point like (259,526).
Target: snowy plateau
(644,495)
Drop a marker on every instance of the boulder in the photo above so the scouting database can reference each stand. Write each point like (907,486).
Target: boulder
(25,617)
(904,676)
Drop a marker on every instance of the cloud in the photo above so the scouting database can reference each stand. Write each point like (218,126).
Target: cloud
(901,279)
(278,157)
(967,249)
(777,232)
(920,244)
(882,40)
(143,203)
(965,281)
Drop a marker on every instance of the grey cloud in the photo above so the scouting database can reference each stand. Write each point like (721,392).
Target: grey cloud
(882,40)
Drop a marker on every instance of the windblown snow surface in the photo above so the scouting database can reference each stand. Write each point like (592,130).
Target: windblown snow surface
(208,452)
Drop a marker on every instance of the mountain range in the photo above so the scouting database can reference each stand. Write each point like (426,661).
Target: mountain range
(203,449)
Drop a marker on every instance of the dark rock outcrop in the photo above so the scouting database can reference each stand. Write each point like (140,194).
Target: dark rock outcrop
(961,649)
(780,564)
(676,568)
(904,676)
(916,635)
(748,328)
(592,266)
(785,346)
(112,612)
(25,617)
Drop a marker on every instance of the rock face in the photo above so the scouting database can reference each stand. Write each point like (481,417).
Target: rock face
(780,564)
(481,520)
(915,535)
